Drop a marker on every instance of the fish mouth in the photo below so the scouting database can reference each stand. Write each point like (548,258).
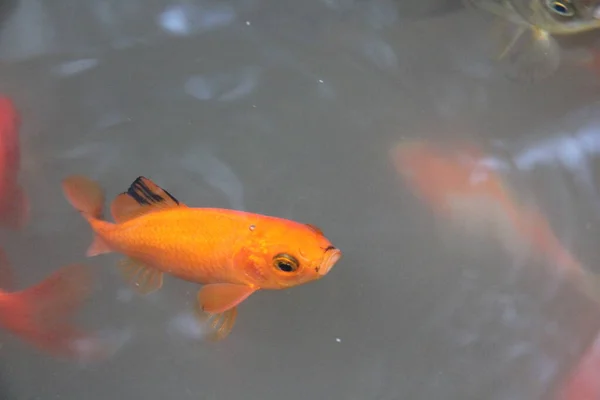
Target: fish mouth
(332,255)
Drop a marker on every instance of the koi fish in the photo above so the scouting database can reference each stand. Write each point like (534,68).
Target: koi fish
(459,187)
(40,315)
(232,253)
(14,204)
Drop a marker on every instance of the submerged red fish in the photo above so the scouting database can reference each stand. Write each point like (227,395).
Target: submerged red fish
(14,204)
(457,186)
(583,383)
(40,315)
(233,253)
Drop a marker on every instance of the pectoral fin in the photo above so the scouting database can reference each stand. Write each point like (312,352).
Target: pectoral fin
(219,297)
(528,54)
(220,324)
(142,278)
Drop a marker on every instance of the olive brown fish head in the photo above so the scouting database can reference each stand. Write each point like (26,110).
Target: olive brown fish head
(560,17)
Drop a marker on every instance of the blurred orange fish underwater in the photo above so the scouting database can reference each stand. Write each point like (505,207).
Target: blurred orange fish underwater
(458,187)
(40,315)
(583,382)
(232,253)
(14,204)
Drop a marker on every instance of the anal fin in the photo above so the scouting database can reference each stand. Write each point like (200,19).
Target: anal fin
(97,247)
(142,278)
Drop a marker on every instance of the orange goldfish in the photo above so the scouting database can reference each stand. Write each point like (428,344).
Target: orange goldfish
(458,186)
(232,253)
(14,204)
(40,314)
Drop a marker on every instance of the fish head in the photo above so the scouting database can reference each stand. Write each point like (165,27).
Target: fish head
(561,16)
(285,253)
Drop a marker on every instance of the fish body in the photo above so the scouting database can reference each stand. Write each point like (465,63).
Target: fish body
(14,204)
(210,245)
(536,55)
(458,187)
(232,253)
(41,314)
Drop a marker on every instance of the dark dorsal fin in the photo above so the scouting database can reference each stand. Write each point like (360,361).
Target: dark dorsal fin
(146,193)
(143,196)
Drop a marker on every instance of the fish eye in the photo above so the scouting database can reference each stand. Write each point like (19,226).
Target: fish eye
(562,8)
(285,262)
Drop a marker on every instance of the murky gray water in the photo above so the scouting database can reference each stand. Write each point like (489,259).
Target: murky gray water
(289,108)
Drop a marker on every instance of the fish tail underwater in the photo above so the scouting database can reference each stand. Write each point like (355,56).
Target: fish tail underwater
(87,197)
(42,314)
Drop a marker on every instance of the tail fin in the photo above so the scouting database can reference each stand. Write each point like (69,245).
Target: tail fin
(87,197)
(41,314)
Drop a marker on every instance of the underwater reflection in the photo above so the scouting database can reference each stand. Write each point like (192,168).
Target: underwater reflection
(569,143)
